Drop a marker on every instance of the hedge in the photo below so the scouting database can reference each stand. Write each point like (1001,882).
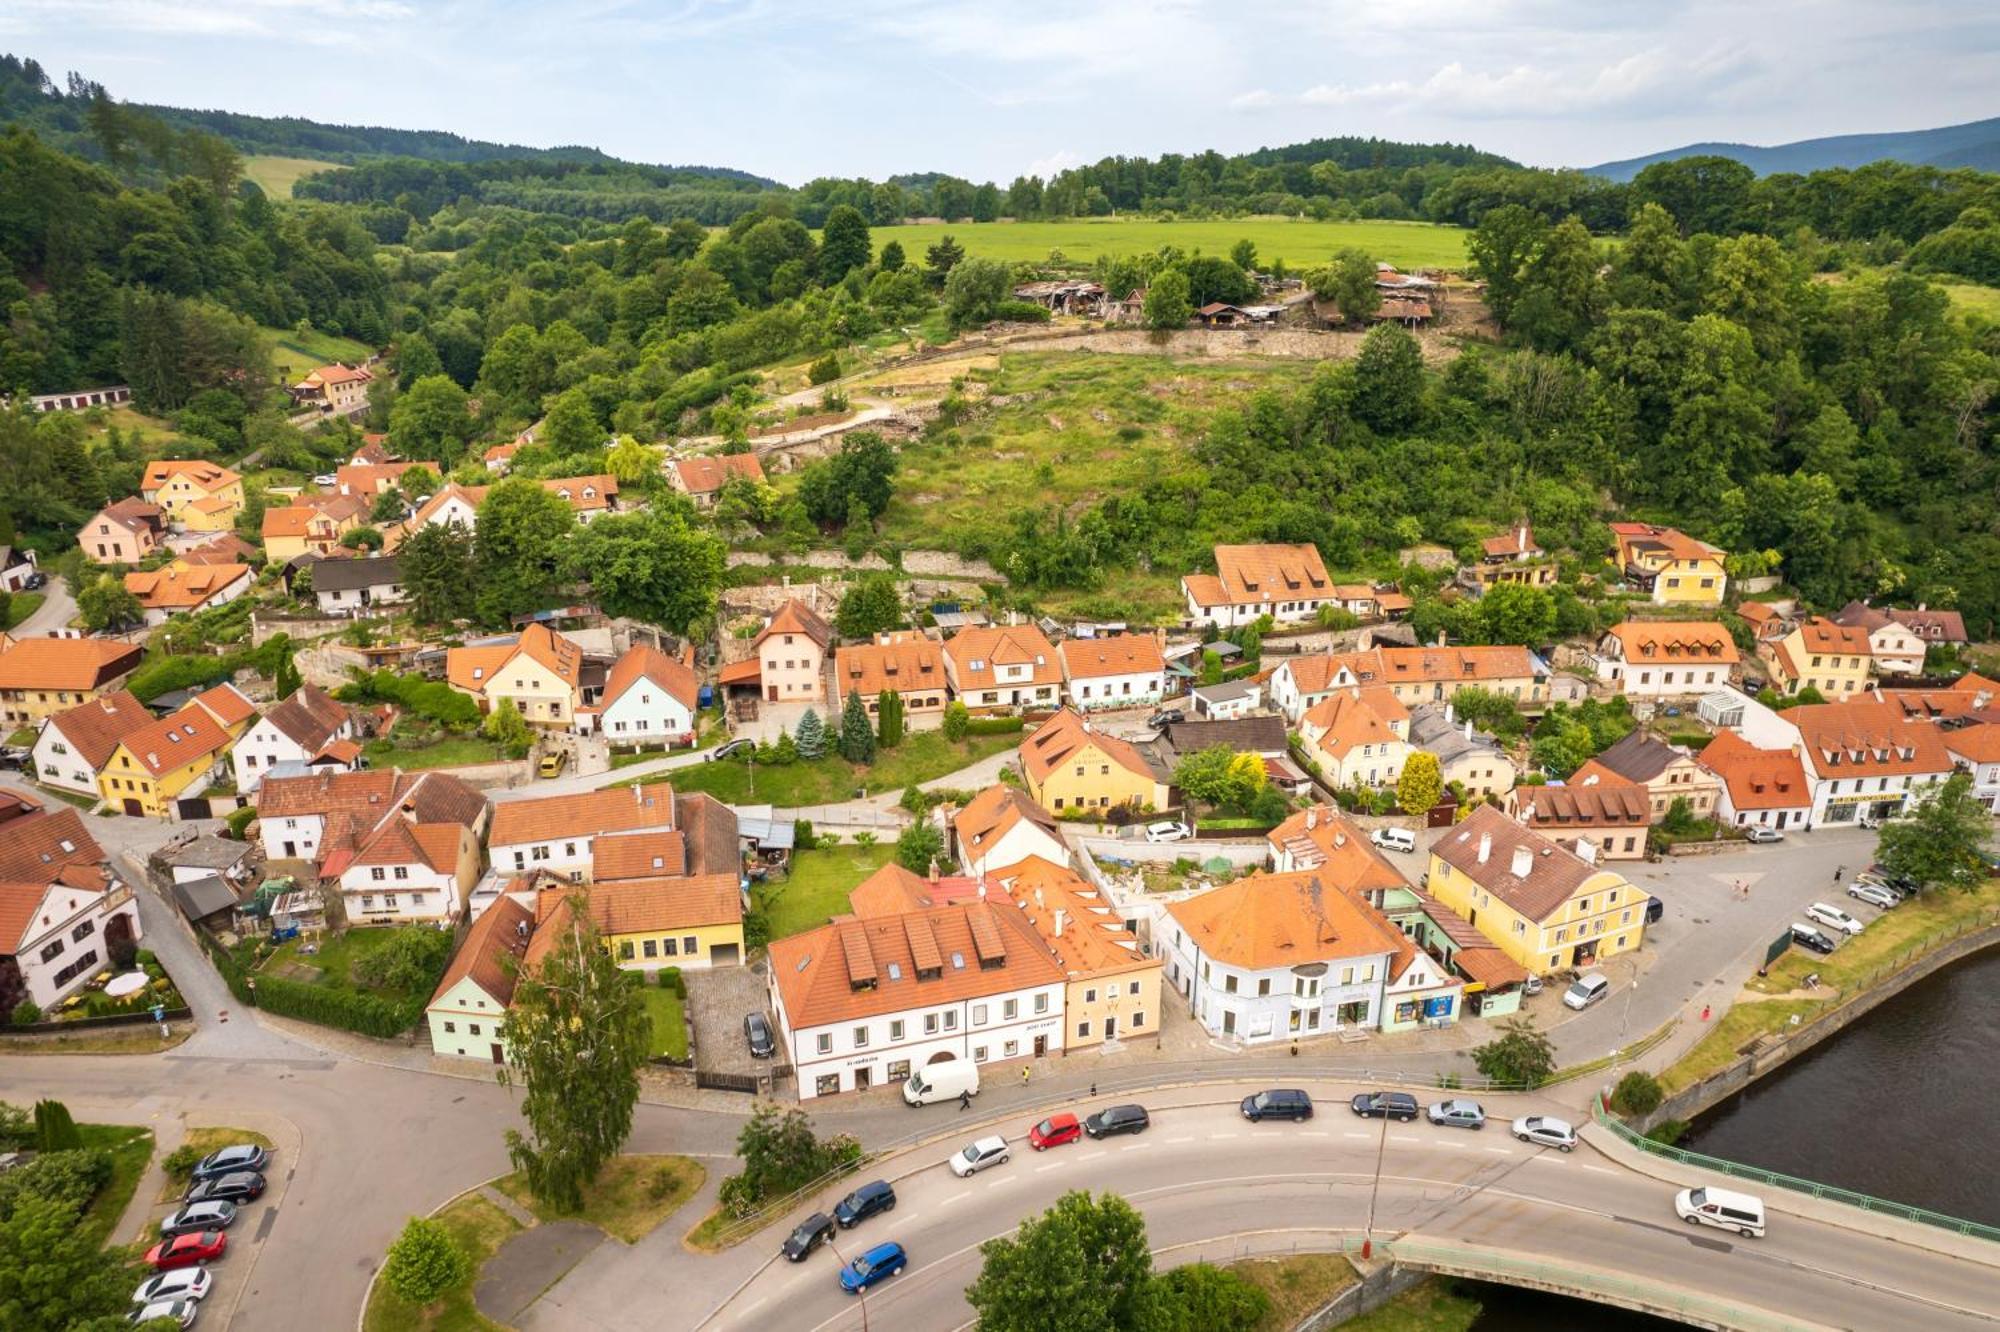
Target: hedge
(993,726)
(349,1010)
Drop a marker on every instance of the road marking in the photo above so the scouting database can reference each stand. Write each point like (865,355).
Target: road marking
(1314,1133)
(1137,1145)
(995,1183)
(1357,1135)
(1185,1137)
(956,1197)
(1223,1137)
(1043,1170)
(1496,1151)
(752,1308)
(1598,1170)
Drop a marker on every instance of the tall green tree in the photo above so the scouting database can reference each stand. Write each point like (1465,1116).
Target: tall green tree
(920,846)
(857,737)
(1349,282)
(654,565)
(437,567)
(430,420)
(55,1277)
(810,737)
(1520,1055)
(889,718)
(860,473)
(1169,301)
(576,1034)
(520,548)
(572,426)
(843,244)
(872,604)
(105,603)
(1389,380)
(1942,843)
(1421,783)
(1081,1266)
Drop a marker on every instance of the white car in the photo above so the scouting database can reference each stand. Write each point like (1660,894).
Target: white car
(978,1155)
(1874,894)
(1394,839)
(182,1283)
(1759,833)
(1168,831)
(1834,918)
(326,479)
(181,1311)
(1545,1131)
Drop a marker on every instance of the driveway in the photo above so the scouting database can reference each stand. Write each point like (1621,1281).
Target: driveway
(718,999)
(58,608)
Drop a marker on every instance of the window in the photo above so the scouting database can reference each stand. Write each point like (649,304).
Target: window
(1263,986)
(690,944)
(951,1019)
(83,931)
(930,1024)
(450,1027)
(1083,1030)
(979,1015)
(402,871)
(896,1030)
(473,1028)
(1010,1049)
(1010,1009)
(1041,1003)
(824,1042)
(978,1054)
(378,874)
(861,1038)
(667,946)
(652,949)
(898,1070)
(625,950)
(1090,995)
(1133,988)
(827,1084)
(1139,1018)
(1229,985)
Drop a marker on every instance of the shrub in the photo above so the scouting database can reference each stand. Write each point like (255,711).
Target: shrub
(412,960)
(55,1131)
(956,720)
(1670,1131)
(824,369)
(803,837)
(990,725)
(239,821)
(660,1184)
(27,1013)
(424,1262)
(69,1179)
(181,1161)
(1637,1093)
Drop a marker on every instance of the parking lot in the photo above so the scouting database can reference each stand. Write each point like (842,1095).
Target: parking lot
(718,999)
(231,1274)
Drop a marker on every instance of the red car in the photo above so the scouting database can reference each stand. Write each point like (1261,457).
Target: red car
(202,1246)
(1054,1132)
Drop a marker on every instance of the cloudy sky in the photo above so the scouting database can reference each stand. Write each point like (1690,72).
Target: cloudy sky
(994,88)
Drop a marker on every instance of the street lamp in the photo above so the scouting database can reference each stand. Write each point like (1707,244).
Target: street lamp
(861,1293)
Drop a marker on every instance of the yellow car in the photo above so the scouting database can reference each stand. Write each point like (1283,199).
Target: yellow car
(552,765)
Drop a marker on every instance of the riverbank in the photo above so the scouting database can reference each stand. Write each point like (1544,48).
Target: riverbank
(1783,1013)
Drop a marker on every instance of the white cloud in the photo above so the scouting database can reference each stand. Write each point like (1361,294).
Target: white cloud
(1257,99)
(1646,82)
(1054,164)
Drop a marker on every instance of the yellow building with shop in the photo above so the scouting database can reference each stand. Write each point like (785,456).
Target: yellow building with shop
(1070,767)
(1545,907)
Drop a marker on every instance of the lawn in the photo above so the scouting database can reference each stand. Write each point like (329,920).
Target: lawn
(922,757)
(449,751)
(1971,298)
(632,1195)
(1297,1285)
(1435,1306)
(274,175)
(23,604)
(480,1228)
(1298,243)
(1745,1021)
(669,1026)
(130,1148)
(335,959)
(817,886)
(293,353)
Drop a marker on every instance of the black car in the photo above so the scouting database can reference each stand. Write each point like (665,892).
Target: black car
(810,1233)
(864,1202)
(229,1160)
(1116,1119)
(1168,717)
(1278,1103)
(237,1187)
(198,1216)
(731,749)
(34,580)
(1385,1105)
(758,1033)
(1655,909)
(1811,939)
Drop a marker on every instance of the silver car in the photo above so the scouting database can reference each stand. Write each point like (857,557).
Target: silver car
(195,1216)
(979,1155)
(1874,894)
(1545,1131)
(1458,1114)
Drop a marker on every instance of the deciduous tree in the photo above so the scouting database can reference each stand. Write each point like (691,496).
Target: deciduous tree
(1942,843)
(919,846)
(871,605)
(1520,1055)
(1421,784)
(1169,304)
(430,420)
(654,565)
(520,546)
(1081,1266)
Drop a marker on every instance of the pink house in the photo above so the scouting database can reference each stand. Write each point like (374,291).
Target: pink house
(122,533)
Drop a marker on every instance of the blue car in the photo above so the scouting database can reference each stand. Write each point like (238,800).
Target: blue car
(878,1264)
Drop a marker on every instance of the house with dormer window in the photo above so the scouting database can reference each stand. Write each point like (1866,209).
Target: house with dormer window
(1670,566)
(1665,658)
(1287,583)
(904,663)
(1003,668)
(540,672)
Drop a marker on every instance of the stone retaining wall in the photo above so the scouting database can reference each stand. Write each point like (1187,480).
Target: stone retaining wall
(1379,1284)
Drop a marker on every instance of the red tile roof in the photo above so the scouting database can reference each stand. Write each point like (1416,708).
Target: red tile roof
(1124,654)
(586,814)
(66,663)
(708,473)
(1266,921)
(1757,778)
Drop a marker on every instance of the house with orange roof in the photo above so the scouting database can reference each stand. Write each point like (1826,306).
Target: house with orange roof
(467,1011)
(902,662)
(310,525)
(1071,767)
(1818,654)
(309,728)
(1866,760)
(589,497)
(1669,773)
(43,676)
(1358,737)
(1669,565)
(1412,674)
(1975,750)
(193,493)
(1000,826)
(165,593)
(1113,987)
(1003,668)
(864,1001)
(1277,957)
(1118,671)
(702,478)
(1765,620)
(371,479)
(326,817)
(648,697)
(158,763)
(1761,788)
(559,833)
(688,921)
(1896,646)
(1512,557)
(62,909)
(73,746)
(1665,658)
(1287,583)
(122,533)
(540,672)
(222,548)
(336,390)
(790,652)
(1323,839)
(405,868)
(1613,816)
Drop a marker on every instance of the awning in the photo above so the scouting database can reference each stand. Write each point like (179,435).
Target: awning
(1489,967)
(748,671)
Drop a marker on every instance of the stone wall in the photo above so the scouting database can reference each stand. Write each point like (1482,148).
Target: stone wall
(1378,1285)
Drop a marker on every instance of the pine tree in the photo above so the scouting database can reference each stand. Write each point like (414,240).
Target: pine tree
(55,1131)
(889,718)
(810,736)
(857,737)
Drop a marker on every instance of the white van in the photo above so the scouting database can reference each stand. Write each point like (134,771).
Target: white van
(1168,830)
(1719,1207)
(942,1082)
(1586,991)
(1394,839)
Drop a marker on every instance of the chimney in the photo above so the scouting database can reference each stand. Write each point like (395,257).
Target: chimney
(1061,916)
(1339,840)
(1448,715)
(1038,898)
(1586,850)
(1468,728)
(1440,641)
(1485,847)
(1521,539)
(982,885)
(1312,817)
(934,869)
(1524,862)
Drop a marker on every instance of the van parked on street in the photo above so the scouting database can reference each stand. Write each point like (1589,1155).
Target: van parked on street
(942,1082)
(1586,991)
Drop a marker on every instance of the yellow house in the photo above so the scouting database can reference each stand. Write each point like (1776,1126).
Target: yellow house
(1819,654)
(155,764)
(541,672)
(688,922)
(1672,566)
(199,495)
(1112,989)
(1072,767)
(40,677)
(312,526)
(1545,907)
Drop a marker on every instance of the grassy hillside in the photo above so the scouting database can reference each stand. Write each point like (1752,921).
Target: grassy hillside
(1299,243)
(274,175)
(294,353)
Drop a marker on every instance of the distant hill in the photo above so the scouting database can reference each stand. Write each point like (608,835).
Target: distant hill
(1971,145)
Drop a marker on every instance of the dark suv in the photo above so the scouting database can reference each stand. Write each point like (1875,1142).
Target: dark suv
(237,1187)
(1385,1105)
(1117,1119)
(243,1156)
(864,1202)
(808,1235)
(1278,1103)
(757,1032)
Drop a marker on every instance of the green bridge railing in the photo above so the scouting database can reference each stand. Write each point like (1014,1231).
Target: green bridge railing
(1812,1188)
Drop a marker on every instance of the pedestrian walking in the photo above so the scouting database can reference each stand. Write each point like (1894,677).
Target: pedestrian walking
(964,1101)
(1093,1089)
(1704,1012)
(1838,870)
(1024,1077)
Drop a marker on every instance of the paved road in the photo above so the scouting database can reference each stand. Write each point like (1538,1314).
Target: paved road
(58,608)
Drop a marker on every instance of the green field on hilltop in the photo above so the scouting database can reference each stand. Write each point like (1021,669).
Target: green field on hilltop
(293,353)
(275,175)
(1300,244)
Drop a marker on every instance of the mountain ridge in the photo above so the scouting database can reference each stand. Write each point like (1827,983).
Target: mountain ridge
(1975,143)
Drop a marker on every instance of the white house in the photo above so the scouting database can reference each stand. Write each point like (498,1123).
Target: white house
(556,833)
(1665,658)
(1232,700)
(648,697)
(353,586)
(1287,583)
(309,728)
(315,816)
(1762,788)
(1976,750)
(1863,758)
(1124,671)
(466,1012)
(1272,957)
(862,1002)
(1359,737)
(61,908)
(402,872)
(73,746)
(1002,826)
(1895,646)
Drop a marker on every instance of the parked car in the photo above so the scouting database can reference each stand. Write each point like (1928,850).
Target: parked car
(1655,910)
(1458,1113)
(1165,717)
(730,748)
(1278,1103)
(1532,985)
(550,766)
(757,1031)
(1874,894)
(1758,833)
(240,1156)
(1385,1105)
(1833,917)
(35,581)
(181,1311)
(808,1235)
(1545,1131)
(183,1283)
(204,1246)
(872,1197)
(977,1155)
(1586,990)
(878,1264)
(236,1187)
(198,1216)
(1054,1132)
(946,1081)
(1805,936)
(1900,884)
(1394,839)
(1115,1119)
(1721,1208)
(325,479)
(1168,830)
